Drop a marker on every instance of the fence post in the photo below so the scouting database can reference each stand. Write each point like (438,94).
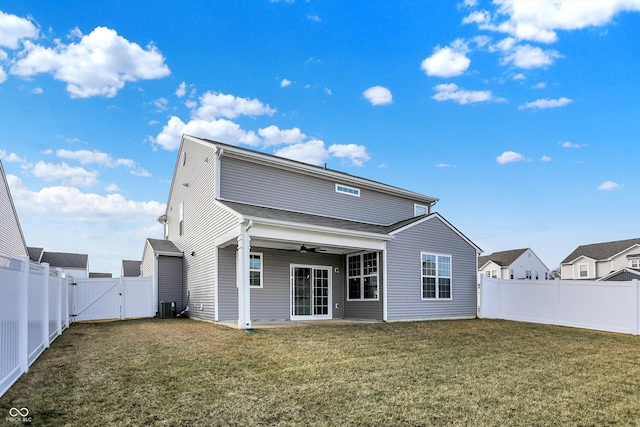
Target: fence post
(122,296)
(60,302)
(556,315)
(637,292)
(23,319)
(45,311)
(479,292)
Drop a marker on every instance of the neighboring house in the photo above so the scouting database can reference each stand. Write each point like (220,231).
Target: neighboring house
(93,275)
(12,241)
(603,261)
(131,268)
(515,264)
(76,265)
(267,238)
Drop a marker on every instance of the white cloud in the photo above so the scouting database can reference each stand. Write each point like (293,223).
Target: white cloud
(98,65)
(113,188)
(378,95)
(609,186)
(569,144)
(509,157)
(285,83)
(451,92)
(214,105)
(86,157)
(161,104)
(540,85)
(218,130)
(448,61)
(13,29)
(313,17)
(71,200)
(312,152)
(545,159)
(272,135)
(10,158)
(539,20)
(443,165)
(519,76)
(546,103)
(65,174)
(527,56)
(182,90)
(3,75)
(357,154)
(327,91)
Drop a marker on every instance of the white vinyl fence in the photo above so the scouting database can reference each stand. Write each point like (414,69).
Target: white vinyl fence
(605,306)
(38,303)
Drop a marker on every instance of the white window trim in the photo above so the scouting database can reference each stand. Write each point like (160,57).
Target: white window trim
(437,298)
(636,261)
(344,189)
(587,270)
(362,276)
(261,270)
(415,209)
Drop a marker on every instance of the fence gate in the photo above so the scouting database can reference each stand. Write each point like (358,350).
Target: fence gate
(112,298)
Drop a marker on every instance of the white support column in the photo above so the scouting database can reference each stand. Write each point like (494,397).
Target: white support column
(384,284)
(45,311)
(23,321)
(242,281)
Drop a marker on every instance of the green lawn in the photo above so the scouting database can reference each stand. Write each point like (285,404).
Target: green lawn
(475,372)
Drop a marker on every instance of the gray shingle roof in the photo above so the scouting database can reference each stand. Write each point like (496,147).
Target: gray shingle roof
(159,245)
(601,251)
(100,275)
(65,260)
(503,258)
(35,253)
(131,268)
(303,218)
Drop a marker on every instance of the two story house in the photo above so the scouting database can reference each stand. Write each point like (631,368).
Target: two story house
(265,238)
(515,264)
(617,260)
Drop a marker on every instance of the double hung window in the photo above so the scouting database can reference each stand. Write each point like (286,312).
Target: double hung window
(436,276)
(362,277)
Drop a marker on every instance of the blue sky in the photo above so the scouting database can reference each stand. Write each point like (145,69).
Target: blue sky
(522,117)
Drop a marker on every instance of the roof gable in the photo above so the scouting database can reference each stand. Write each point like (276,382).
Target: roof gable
(12,240)
(503,258)
(601,251)
(412,222)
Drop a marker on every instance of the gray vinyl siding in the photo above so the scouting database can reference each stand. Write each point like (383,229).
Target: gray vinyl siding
(262,185)
(170,286)
(272,301)
(404,274)
(365,309)
(203,222)
(11,239)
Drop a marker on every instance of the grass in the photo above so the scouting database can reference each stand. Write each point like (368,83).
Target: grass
(476,372)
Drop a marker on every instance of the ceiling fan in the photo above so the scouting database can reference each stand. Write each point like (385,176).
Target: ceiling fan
(303,249)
